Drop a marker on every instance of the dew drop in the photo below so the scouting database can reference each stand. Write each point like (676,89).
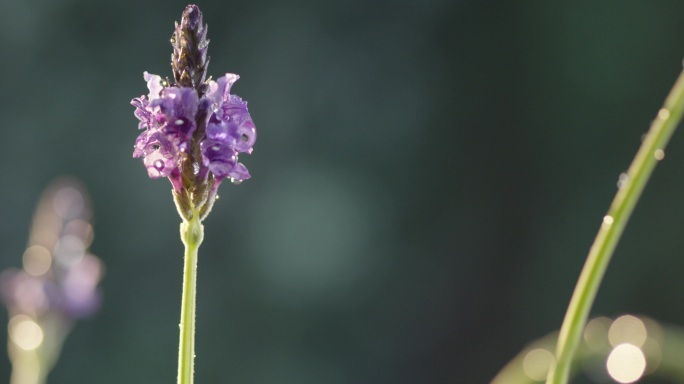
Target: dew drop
(235,181)
(622,180)
(159,165)
(659,154)
(608,220)
(179,122)
(663,113)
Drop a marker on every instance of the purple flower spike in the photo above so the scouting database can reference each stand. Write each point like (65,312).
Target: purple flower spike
(193,129)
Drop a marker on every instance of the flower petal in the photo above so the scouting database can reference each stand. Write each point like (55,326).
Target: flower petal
(154,84)
(219,157)
(239,173)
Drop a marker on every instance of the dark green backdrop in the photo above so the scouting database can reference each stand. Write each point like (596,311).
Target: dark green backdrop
(427,180)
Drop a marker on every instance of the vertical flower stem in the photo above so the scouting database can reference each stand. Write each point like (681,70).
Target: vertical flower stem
(27,368)
(192,233)
(631,187)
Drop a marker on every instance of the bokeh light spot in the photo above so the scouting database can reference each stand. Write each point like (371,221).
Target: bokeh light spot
(37,260)
(626,363)
(25,332)
(80,229)
(627,329)
(653,353)
(536,363)
(595,333)
(69,203)
(70,250)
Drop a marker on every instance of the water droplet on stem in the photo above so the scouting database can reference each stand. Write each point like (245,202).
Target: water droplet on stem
(608,220)
(663,113)
(659,154)
(622,180)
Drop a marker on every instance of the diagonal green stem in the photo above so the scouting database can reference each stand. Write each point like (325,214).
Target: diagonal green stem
(192,233)
(631,187)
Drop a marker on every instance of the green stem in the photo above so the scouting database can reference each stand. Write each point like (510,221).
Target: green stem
(631,187)
(31,365)
(27,368)
(192,233)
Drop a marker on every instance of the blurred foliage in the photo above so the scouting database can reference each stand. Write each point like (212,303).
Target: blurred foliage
(426,183)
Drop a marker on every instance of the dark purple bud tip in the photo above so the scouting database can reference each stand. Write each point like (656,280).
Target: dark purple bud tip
(189,60)
(192,17)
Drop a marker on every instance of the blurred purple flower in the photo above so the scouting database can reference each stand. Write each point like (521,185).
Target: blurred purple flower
(56,286)
(74,296)
(59,276)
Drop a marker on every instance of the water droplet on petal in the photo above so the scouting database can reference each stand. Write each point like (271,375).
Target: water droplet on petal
(622,180)
(179,122)
(235,181)
(159,165)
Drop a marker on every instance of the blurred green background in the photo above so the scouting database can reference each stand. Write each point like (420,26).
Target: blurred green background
(427,180)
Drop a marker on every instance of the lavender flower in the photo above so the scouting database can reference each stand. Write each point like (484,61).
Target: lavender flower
(193,129)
